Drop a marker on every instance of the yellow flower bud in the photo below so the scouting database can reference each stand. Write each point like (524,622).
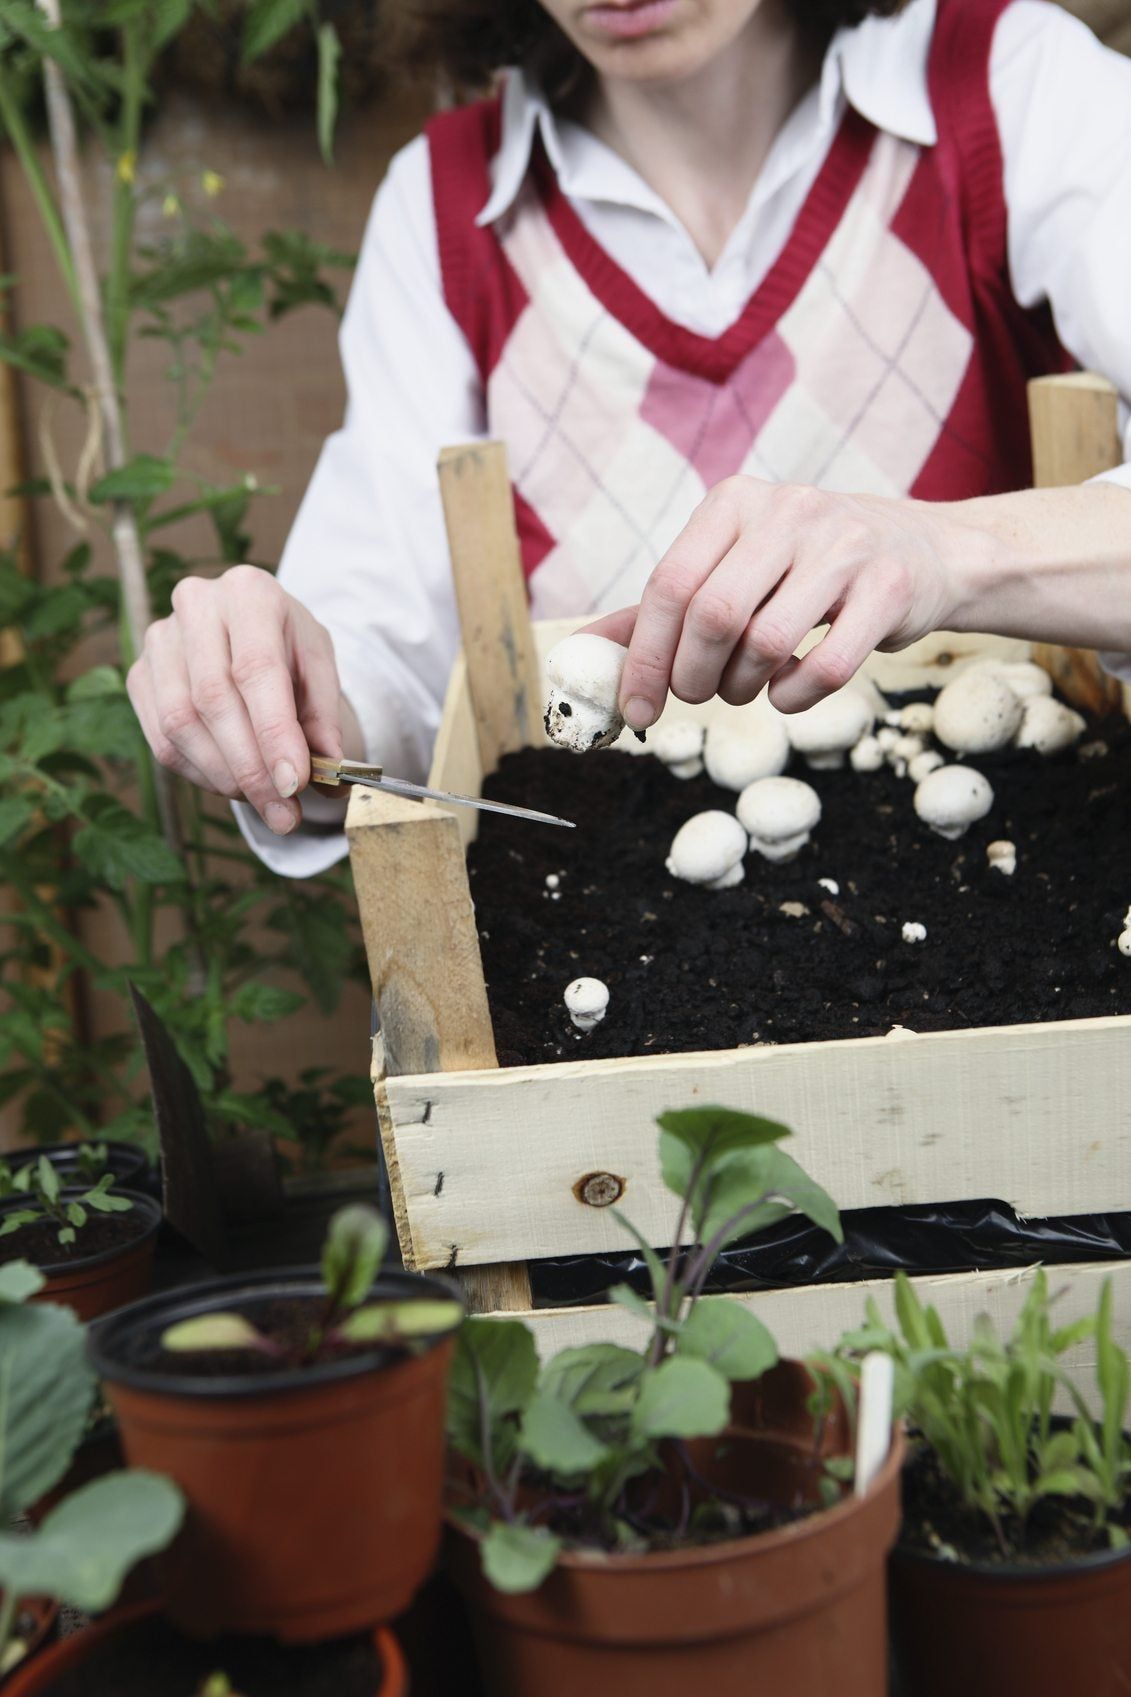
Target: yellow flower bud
(127,166)
(212,183)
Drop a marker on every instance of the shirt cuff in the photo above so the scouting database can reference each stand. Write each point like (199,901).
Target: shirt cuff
(303,853)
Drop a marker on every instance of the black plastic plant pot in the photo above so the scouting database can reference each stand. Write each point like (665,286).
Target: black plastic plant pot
(984,1629)
(314,1492)
(129,1164)
(96,1282)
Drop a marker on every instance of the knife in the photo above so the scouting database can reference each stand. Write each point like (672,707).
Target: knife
(334,772)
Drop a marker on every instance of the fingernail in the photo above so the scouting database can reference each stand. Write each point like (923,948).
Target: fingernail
(286,778)
(639,713)
(281,819)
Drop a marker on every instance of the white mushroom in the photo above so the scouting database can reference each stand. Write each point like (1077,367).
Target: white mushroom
(977,712)
(887,737)
(587,999)
(1024,677)
(1002,856)
(929,761)
(679,744)
(902,752)
(951,798)
(709,850)
(1123,942)
(584,673)
(739,750)
(779,814)
(824,734)
(867,755)
(1048,725)
(829,884)
(918,717)
(914,932)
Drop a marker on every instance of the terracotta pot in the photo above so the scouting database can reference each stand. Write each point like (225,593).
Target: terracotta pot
(44,1614)
(798,1610)
(315,1496)
(984,1630)
(37,1679)
(93,1285)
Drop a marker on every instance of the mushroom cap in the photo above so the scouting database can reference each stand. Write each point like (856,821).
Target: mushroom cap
(739,750)
(917,718)
(707,847)
(920,765)
(977,712)
(833,725)
(675,740)
(1024,677)
(587,996)
(773,809)
(867,755)
(584,672)
(951,798)
(1048,725)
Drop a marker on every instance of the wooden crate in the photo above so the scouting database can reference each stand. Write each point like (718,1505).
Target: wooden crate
(491,1168)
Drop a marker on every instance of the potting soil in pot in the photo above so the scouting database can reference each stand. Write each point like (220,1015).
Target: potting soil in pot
(154,1660)
(779,958)
(39,1242)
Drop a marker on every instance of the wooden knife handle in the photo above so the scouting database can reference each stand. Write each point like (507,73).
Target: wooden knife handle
(324,770)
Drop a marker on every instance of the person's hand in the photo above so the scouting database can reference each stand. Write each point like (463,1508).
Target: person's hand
(756,568)
(236,687)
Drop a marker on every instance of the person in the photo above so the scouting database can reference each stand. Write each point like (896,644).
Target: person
(751,290)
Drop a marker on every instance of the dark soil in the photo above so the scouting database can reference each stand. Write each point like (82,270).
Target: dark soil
(936,1522)
(287,1323)
(691,968)
(153,1660)
(39,1243)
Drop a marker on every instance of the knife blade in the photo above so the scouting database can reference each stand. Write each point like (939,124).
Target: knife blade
(333,772)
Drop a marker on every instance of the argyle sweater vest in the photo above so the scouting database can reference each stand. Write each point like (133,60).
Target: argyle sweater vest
(882,353)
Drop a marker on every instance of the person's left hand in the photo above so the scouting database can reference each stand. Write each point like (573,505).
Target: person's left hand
(757,567)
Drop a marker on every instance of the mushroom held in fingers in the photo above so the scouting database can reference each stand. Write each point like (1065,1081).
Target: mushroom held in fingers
(678,743)
(952,798)
(709,850)
(587,1000)
(824,734)
(778,814)
(584,673)
(976,713)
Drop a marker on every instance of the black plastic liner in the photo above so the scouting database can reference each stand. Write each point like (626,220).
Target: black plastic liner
(954,1237)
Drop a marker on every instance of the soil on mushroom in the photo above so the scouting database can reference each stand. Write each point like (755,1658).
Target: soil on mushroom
(689,968)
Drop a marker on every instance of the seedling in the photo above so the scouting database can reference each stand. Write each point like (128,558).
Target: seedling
(83,1549)
(568,1455)
(39,1181)
(987,1411)
(351,1259)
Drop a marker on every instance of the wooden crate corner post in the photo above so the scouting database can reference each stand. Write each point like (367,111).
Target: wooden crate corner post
(408,861)
(1074,427)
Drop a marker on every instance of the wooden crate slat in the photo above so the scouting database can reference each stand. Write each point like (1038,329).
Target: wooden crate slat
(812,1317)
(1035,1115)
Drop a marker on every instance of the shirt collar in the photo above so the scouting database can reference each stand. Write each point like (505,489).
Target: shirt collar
(879,67)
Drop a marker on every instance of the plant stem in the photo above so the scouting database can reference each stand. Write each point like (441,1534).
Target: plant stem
(121,240)
(19,136)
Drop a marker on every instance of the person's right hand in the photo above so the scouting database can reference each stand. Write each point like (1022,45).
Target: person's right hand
(236,687)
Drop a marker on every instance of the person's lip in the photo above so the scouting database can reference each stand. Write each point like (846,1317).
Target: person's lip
(629,21)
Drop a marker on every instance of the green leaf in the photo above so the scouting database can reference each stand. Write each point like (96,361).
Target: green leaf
(518,1558)
(265,1002)
(556,1440)
(594,1380)
(96,683)
(84,1549)
(790,1181)
(267,22)
(142,478)
(493,1376)
(356,1240)
(329,53)
(19,1280)
(389,1322)
(46,1389)
(681,1398)
(15,813)
(17,1218)
(720,1331)
(47,1179)
(690,1135)
(211,1331)
(169,18)
(117,845)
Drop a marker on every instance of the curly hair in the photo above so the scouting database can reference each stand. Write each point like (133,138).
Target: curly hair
(465,42)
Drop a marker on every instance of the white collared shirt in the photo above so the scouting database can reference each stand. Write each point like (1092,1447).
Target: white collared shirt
(367,553)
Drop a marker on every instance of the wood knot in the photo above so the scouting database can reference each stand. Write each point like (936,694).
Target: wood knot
(598,1190)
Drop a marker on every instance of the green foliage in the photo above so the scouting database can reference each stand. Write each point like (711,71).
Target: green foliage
(351,1260)
(69,1212)
(557,1452)
(213,936)
(987,1411)
(83,1549)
